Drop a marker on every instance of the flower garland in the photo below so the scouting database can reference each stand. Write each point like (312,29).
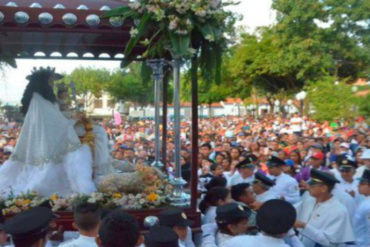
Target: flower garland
(153,192)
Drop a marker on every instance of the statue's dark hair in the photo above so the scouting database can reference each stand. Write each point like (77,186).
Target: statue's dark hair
(39,83)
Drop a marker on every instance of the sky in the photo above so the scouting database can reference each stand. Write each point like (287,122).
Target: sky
(255,13)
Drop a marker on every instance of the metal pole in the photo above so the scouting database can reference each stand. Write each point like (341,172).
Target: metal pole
(178,198)
(177,109)
(157,66)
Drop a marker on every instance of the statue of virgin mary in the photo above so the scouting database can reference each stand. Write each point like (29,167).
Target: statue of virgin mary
(49,157)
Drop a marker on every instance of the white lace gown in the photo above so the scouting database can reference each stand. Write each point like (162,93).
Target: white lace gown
(48,157)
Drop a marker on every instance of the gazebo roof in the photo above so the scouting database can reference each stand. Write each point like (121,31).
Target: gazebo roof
(70,29)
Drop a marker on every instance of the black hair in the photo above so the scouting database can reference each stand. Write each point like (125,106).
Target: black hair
(214,166)
(237,149)
(206,145)
(238,190)
(87,216)
(210,161)
(220,154)
(39,83)
(119,229)
(212,197)
(216,182)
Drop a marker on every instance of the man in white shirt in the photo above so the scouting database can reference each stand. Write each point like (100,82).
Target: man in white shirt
(232,220)
(245,173)
(87,220)
(296,124)
(275,218)
(178,221)
(365,158)
(261,186)
(286,187)
(361,219)
(348,184)
(321,219)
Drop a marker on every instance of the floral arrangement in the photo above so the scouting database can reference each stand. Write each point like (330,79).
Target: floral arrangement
(16,204)
(150,191)
(177,29)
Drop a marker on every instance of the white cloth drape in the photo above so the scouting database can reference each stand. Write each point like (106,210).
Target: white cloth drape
(48,157)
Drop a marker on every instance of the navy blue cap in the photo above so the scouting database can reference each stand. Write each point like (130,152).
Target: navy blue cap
(260,177)
(276,217)
(245,164)
(322,177)
(345,164)
(231,212)
(29,223)
(174,217)
(275,161)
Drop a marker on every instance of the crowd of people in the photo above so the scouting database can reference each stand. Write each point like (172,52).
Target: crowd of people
(272,181)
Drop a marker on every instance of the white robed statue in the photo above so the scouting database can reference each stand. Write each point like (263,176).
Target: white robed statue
(48,157)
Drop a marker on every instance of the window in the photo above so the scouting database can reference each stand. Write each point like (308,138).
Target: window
(111,103)
(98,103)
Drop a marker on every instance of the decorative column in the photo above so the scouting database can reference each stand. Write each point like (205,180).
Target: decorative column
(157,65)
(178,198)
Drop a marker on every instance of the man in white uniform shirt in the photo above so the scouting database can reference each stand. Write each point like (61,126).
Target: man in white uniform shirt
(261,186)
(286,187)
(87,220)
(274,219)
(365,158)
(177,220)
(361,219)
(321,219)
(348,184)
(245,173)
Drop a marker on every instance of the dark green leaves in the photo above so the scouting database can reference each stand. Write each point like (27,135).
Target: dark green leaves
(180,45)
(141,31)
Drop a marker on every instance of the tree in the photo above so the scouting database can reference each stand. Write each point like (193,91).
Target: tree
(334,31)
(331,100)
(127,85)
(89,82)
(299,48)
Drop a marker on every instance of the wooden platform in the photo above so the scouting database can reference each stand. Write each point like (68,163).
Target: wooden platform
(66,217)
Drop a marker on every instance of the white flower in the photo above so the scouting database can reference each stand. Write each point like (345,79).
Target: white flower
(201,13)
(134,5)
(131,197)
(142,201)
(215,4)
(192,51)
(8,203)
(173,25)
(91,200)
(134,32)
(97,196)
(210,37)
(182,32)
